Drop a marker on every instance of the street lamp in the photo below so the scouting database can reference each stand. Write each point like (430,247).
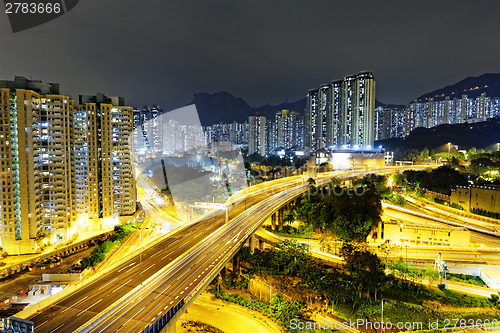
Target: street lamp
(382,321)
(406,246)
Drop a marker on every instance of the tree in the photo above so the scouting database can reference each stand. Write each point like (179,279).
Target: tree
(285,311)
(399,179)
(387,248)
(365,269)
(290,255)
(289,217)
(334,181)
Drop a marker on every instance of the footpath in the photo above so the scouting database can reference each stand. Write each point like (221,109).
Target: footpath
(226,316)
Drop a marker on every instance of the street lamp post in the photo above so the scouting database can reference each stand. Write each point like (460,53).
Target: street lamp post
(382,315)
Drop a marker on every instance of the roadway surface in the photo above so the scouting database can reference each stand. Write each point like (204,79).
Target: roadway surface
(77,308)
(187,275)
(228,317)
(74,310)
(407,216)
(71,312)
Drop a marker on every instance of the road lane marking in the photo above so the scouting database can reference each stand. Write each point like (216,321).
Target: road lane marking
(126,267)
(176,297)
(119,287)
(149,267)
(69,307)
(93,304)
(58,327)
(107,283)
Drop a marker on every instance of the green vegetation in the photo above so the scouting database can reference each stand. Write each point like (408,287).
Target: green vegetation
(485,213)
(344,213)
(354,290)
(477,165)
(304,231)
(99,254)
(464,278)
(198,325)
(456,206)
(407,268)
(394,198)
(441,180)
(280,310)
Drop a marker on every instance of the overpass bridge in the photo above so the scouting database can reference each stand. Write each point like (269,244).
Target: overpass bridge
(175,268)
(167,294)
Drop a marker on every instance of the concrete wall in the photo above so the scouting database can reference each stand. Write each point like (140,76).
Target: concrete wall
(415,234)
(64,277)
(485,198)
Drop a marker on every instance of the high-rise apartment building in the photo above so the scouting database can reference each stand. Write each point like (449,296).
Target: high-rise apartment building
(438,110)
(312,118)
(148,129)
(38,186)
(342,113)
(104,129)
(286,130)
(257,135)
(389,122)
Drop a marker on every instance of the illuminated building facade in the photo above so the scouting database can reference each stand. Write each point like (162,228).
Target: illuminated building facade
(480,198)
(342,113)
(257,135)
(37,163)
(104,130)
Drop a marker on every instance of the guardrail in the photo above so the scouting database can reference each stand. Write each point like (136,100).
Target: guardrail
(62,252)
(159,323)
(118,304)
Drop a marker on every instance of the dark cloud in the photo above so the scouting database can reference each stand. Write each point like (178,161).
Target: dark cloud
(264,51)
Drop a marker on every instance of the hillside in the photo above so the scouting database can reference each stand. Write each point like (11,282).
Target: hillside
(479,135)
(472,86)
(226,108)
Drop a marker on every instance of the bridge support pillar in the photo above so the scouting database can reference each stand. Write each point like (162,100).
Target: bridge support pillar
(261,244)
(273,221)
(252,243)
(223,272)
(236,265)
(280,219)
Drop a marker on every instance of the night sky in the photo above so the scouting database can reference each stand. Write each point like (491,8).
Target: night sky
(161,52)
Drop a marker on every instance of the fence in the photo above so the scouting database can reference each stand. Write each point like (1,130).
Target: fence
(158,325)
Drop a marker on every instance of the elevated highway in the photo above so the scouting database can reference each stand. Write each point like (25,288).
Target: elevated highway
(172,265)
(180,283)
